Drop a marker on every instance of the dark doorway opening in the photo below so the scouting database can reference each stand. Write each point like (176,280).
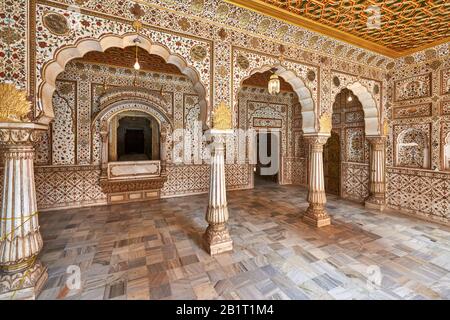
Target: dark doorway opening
(270,145)
(134,141)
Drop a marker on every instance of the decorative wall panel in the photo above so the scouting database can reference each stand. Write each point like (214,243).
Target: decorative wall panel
(64,131)
(445,108)
(13,42)
(413,88)
(412,143)
(420,110)
(445,81)
(422,193)
(355,178)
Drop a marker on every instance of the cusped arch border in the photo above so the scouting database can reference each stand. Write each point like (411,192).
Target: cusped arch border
(371,114)
(100,123)
(141,94)
(132,104)
(64,55)
(298,85)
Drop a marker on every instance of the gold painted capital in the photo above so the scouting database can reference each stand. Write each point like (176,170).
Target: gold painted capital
(377,141)
(316,140)
(222,117)
(14,105)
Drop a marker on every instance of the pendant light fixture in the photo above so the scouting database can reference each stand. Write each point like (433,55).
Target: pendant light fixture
(274,86)
(137,66)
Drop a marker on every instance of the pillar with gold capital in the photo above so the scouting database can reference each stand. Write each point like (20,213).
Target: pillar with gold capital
(316,214)
(21,274)
(377,178)
(217,237)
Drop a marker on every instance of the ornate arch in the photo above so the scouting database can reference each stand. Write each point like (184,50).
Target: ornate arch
(107,113)
(117,96)
(53,68)
(412,143)
(111,105)
(371,115)
(304,94)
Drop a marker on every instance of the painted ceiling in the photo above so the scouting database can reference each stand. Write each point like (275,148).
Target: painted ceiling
(126,57)
(259,79)
(405,26)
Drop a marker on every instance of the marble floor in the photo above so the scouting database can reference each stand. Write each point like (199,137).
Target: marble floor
(152,250)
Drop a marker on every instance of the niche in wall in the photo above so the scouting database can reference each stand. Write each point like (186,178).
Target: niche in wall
(413,146)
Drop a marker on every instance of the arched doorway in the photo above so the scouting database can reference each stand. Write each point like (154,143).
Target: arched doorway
(274,120)
(346,153)
(332,164)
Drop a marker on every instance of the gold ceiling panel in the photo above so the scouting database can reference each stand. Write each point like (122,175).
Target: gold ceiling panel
(406,26)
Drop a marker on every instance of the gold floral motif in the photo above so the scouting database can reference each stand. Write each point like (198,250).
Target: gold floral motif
(198,53)
(222,11)
(197,5)
(14,105)
(222,117)
(244,19)
(242,62)
(325,123)
(264,25)
(385,127)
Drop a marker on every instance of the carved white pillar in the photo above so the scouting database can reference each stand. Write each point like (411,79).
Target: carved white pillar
(163,151)
(104,153)
(217,238)
(377,182)
(21,275)
(316,214)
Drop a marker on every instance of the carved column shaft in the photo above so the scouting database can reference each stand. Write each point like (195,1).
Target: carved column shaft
(163,151)
(20,239)
(377,184)
(19,221)
(217,238)
(316,214)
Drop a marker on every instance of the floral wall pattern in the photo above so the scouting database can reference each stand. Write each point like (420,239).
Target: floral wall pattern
(418,125)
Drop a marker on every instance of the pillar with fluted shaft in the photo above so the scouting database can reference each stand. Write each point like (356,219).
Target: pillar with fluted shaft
(21,274)
(377,178)
(316,214)
(217,238)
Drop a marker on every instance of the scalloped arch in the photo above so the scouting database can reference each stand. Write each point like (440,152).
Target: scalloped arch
(371,117)
(149,107)
(303,93)
(64,55)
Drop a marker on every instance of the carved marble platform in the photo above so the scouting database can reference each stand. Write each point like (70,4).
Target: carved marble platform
(131,181)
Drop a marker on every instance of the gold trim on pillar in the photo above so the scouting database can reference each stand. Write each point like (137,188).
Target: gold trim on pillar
(14,105)
(222,117)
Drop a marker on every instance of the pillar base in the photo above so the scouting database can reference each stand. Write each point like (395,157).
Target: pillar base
(217,239)
(375,203)
(23,285)
(316,217)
